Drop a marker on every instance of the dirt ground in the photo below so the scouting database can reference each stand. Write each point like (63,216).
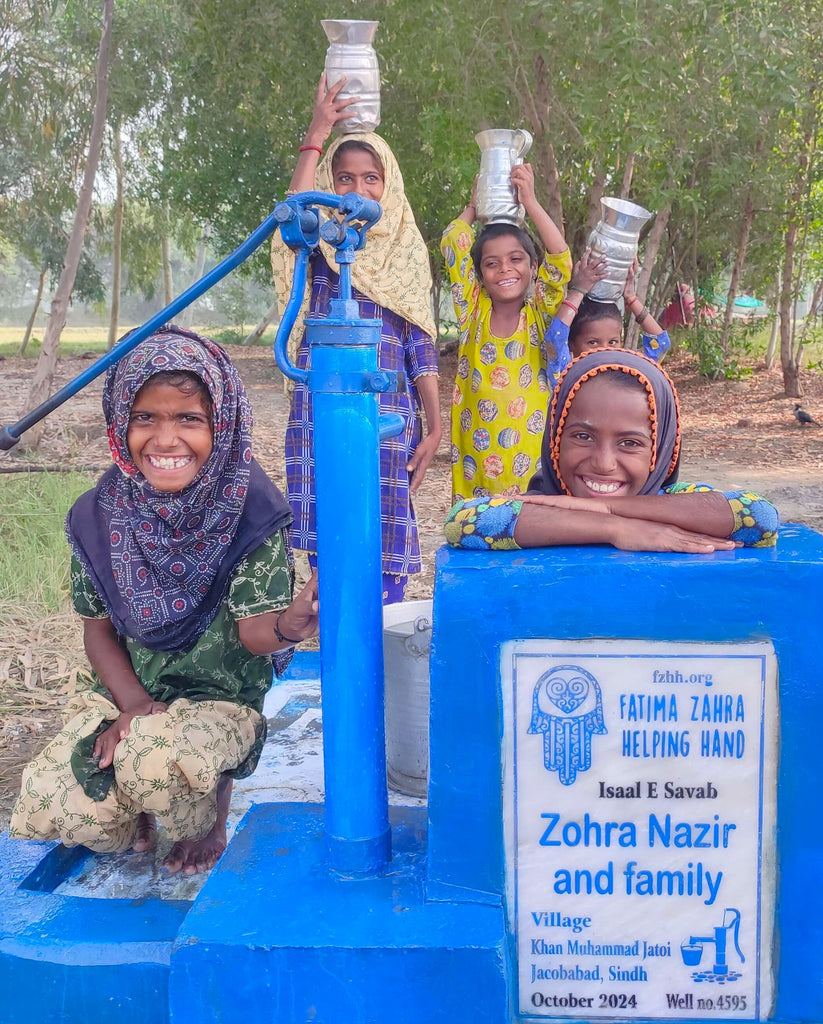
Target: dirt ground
(735,433)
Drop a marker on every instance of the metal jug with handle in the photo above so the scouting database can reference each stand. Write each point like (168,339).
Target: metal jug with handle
(500,150)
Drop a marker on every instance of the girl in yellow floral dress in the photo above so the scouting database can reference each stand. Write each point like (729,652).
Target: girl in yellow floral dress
(504,298)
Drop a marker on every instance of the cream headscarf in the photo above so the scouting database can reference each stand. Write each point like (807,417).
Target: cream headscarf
(392,269)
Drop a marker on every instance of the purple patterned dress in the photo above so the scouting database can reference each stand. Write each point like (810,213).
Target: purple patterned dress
(403,346)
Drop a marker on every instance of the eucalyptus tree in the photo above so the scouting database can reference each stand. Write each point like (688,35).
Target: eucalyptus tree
(44,106)
(44,371)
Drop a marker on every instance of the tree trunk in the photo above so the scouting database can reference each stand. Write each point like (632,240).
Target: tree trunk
(185,318)
(44,372)
(789,358)
(791,376)
(117,240)
(165,255)
(554,206)
(740,259)
(30,325)
(771,351)
(653,240)
(628,174)
(773,298)
(259,330)
(596,192)
(537,105)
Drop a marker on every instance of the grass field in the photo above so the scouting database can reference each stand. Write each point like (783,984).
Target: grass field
(76,340)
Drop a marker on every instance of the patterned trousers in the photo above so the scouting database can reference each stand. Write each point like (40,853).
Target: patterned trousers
(169,766)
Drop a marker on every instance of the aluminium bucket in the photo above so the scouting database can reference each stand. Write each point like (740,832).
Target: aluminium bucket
(407,633)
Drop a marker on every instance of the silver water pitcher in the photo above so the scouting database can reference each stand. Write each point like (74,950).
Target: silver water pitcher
(615,236)
(500,150)
(351,54)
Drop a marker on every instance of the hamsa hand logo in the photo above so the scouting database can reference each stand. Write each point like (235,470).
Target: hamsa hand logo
(567,707)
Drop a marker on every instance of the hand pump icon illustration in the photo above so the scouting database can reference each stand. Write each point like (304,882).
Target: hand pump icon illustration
(692,951)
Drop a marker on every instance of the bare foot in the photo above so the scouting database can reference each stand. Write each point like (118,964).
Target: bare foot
(145,838)
(193,855)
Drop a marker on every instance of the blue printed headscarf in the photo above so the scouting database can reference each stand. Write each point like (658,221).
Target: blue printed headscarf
(161,561)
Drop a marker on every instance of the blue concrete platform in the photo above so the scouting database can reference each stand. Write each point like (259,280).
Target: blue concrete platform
(274,937)
(67,959)
(578,593)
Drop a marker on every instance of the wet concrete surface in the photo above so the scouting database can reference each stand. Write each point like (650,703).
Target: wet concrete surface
(290,770)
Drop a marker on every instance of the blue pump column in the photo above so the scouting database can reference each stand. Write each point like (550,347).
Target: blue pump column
(344,380)
(347,468)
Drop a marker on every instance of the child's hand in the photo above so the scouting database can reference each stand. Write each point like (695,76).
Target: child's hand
(589,269)
(301,619)
(630,289)
(522,179)
(119,729)
(420,460)
(644,535)
(328,110)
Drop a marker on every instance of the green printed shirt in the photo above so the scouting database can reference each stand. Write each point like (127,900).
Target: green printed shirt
(218,667)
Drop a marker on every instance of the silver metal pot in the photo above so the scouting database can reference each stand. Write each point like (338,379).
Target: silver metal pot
(352,55)
(500,150)
(615,236)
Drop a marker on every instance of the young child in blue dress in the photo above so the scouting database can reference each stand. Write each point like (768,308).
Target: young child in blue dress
(609,475)
(582,324)
(182,572)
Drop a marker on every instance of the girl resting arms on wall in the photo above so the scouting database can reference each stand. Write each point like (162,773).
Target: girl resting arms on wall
(610,459)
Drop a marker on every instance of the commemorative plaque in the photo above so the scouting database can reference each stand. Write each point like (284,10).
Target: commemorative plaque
(639,799)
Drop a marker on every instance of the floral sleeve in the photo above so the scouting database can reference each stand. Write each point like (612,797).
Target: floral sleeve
(554,274)
(483,524)
(456,245)
(756,520)
(84,598)
(264,582)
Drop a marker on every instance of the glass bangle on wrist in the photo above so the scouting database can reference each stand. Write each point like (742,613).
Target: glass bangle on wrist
(280,636)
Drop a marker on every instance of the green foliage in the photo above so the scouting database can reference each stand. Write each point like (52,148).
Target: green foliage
(745,342)
(709,98)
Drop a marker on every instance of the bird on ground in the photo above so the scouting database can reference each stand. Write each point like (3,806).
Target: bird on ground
(802,416)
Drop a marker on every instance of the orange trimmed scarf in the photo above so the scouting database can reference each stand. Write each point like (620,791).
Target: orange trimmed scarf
(664,416)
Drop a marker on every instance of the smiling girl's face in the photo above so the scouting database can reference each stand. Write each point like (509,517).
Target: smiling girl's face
(170,434)
(606,445)
(506,270)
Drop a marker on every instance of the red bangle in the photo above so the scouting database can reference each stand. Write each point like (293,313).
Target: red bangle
(571,305)
(305,149)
